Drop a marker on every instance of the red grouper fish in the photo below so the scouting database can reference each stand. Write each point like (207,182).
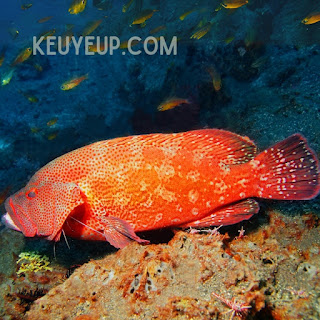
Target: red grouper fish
(109,190)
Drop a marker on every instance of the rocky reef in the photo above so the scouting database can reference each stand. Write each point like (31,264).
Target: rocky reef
(267,273)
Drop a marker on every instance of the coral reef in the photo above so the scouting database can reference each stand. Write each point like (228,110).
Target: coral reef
(33,262)
(272,272)
(29,278)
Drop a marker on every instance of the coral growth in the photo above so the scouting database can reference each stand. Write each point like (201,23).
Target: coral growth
(32,262)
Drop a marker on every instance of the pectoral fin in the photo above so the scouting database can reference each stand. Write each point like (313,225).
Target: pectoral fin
(231,214)
(67,197)
(118,232)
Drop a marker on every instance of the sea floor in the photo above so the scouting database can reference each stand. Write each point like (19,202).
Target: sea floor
(269,272)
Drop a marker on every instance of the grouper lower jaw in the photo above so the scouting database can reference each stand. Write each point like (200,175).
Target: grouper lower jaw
(7,221)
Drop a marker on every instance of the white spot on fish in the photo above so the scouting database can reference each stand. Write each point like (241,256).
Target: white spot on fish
(254,163)
(208,204)
(143,185)
(224,167)
(158,218)
(263,177)
(195,211)
(164,171)
(178,207)
(242,182)
(170,151)
(220,187)
(197,157)
(148,203)
(242,195)
(165,194)
(193,175)
(193,196)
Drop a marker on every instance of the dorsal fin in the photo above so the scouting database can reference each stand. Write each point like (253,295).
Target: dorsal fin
(225,146)
(228,147)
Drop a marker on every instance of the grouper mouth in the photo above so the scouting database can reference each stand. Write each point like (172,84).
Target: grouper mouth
(12,217)
(8,222)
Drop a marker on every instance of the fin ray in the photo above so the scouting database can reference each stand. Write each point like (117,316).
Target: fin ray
(119,233)
(289,170)
(227,215)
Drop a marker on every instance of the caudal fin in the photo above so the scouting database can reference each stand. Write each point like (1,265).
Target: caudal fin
(288,171)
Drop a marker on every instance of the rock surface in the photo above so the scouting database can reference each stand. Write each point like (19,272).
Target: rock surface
(273,269)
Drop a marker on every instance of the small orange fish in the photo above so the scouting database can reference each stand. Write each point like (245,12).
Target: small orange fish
(35,129)
(70,84)
(22,56)
(90,27)
(216,78)
(45,19)
(31,98)
(229,39)
(143,16)
(111,189)
(77,6)
(47,34)
(233,4)
(152,41)
(312,18)
(124,44)
(52,122)
(38,67)
(26,6)
(172,103)
(157,29)
(6,78)
(250,38)
(185,14)
(97,47)
(202,32)
(52,136)
(127,6)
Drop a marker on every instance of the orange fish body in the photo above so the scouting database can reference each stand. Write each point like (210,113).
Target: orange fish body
(90,27)
(70,84)
(216,78)
(143,16)
(45,19)
(234,4)
(111,189)
(125,44)
(202,31)
(23,56)
(77,6)
(172,103)
(98,47)
(312,18)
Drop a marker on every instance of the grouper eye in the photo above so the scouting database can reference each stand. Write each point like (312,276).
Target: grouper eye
(31,194)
